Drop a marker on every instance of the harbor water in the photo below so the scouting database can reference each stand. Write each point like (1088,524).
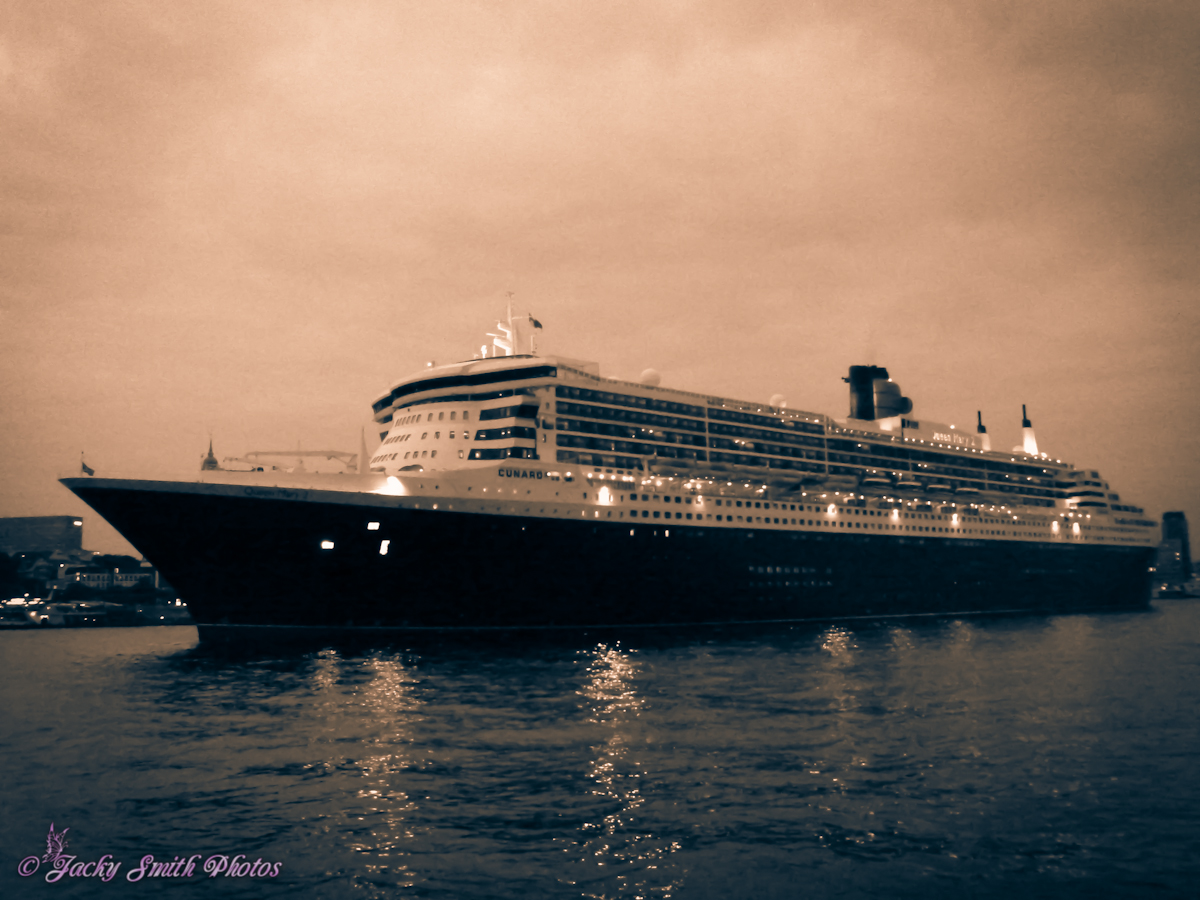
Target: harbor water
(1038,756)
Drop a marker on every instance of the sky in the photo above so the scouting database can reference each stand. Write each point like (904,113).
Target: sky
(246,220)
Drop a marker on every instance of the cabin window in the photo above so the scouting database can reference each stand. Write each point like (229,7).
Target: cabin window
(406,456)
(433,454)
(424,453)
(430,419)
(656,514)
(452,415)
(441,416)
(452,435)
(424,434)
(460,454)
(437,434)
(465,414)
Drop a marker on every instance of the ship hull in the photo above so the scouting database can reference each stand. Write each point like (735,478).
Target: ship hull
(256,563)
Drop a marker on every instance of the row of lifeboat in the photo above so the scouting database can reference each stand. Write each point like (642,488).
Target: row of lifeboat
(905,482)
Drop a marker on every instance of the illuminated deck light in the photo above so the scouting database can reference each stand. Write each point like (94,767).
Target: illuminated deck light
(383,547)
(394,487)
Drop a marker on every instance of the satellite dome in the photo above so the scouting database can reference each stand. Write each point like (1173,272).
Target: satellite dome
(778,400)
(650,377)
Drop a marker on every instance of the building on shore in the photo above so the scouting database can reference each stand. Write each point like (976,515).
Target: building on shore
(42,534)
(1173,568)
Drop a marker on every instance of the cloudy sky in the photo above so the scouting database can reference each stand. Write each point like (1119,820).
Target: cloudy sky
(247,219)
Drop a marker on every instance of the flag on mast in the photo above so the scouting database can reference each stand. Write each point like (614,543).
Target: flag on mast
(84,468)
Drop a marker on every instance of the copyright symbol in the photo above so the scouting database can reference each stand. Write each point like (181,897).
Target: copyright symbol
(28,866)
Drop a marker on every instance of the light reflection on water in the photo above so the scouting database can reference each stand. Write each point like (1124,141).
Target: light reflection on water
(628,860)
(378,827)
(1044,756)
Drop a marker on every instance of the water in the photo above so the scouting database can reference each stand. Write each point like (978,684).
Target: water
(977,758)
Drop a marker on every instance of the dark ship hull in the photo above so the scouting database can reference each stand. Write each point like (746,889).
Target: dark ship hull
(252,566)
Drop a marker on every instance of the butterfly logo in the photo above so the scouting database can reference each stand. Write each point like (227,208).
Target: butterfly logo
(56,843)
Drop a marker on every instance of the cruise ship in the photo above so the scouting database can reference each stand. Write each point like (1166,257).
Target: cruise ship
(517,490)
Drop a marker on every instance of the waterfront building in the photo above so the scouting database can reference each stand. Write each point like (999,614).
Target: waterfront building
(41,534)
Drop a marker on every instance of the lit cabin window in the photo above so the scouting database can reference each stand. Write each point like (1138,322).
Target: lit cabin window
(372,526)
(383,547)
(452,435)
(326,545)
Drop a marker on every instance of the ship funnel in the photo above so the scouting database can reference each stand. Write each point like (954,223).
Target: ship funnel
(984,439)
(875,396)
(982,431)
(1029,442)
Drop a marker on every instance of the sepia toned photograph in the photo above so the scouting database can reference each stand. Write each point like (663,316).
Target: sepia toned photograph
(691,449)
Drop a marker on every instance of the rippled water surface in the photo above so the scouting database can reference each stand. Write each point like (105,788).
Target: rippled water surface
(975,758)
